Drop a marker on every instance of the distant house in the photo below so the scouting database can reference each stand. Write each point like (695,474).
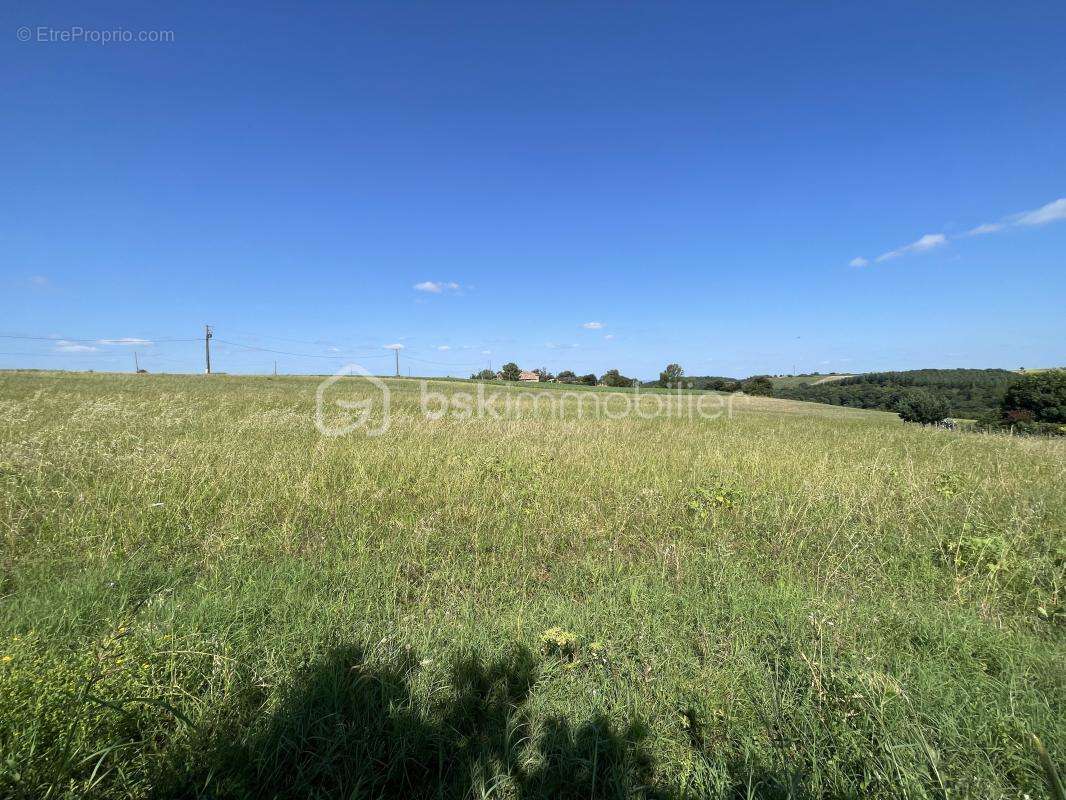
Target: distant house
(528,376)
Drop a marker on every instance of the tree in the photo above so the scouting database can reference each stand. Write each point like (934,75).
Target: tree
(1040,396)
(613,377)
(566,376)
(588,380)
(671,375)
(510,371)
(922,407)
(759,385)
(484,375)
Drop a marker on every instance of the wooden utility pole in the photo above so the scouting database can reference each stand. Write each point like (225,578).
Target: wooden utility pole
(275,369)
(136,365)
(207,347)
(397,352)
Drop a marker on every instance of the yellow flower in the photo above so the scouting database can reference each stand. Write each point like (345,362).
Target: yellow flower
(7,659)
(558,638)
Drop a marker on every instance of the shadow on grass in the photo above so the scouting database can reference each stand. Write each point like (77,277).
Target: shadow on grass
(355,730)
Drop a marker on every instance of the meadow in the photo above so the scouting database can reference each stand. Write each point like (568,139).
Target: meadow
(203,596)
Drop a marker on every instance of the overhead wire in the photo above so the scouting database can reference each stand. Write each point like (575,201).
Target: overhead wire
(300,355)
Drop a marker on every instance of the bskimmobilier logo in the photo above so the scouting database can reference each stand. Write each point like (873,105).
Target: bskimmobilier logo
(337,413)
(352,376)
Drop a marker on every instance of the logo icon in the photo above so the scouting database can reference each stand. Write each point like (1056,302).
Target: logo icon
(331,423)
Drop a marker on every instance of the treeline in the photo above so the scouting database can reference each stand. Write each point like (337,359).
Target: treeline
(968,393)
(673,377)
(1035,404)
(512,372)
(715,383)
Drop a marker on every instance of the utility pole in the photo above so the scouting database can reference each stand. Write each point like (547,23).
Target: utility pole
(397,353)
(275,368)
(207,347)
(136,365)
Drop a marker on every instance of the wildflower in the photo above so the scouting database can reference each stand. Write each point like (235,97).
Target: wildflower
(558,642)
(558,638)
(7,659)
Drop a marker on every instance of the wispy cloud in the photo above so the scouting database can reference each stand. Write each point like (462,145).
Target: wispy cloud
(927,242)
(592,326)
(64,346)
(395,346)
(608,336)
(1055,211)
(982,230)
(437,287)
(40,281)
(443,347)
(557,346)
(127,340)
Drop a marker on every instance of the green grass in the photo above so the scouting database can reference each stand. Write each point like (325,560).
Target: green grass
(788,381)
(202,596)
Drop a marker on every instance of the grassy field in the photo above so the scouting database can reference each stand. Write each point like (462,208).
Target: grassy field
(205,597)
(786,381)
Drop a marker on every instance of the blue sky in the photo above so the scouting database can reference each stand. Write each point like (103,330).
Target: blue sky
(571,185)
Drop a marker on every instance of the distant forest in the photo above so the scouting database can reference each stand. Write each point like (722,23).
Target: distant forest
(969,393)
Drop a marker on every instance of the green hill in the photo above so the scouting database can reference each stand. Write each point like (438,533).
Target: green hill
(968,392)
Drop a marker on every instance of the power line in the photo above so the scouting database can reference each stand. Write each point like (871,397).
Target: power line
(300,355)
(208,335)
(67,355)
(101,340)
(320,342)
(445,363)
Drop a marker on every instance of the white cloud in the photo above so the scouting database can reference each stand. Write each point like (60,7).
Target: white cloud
(859,262)
(1054,211)
(592,326)
(38,280)
(396,346)
(981,230)
(63,346)
(927,242)
(556,346)
(443,347)
(486,352)
(609,336)
(437,287)
(127,340)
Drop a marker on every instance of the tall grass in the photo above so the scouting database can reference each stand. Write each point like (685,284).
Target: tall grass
(203,596)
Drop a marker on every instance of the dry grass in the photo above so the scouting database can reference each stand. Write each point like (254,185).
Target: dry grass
(203,595)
